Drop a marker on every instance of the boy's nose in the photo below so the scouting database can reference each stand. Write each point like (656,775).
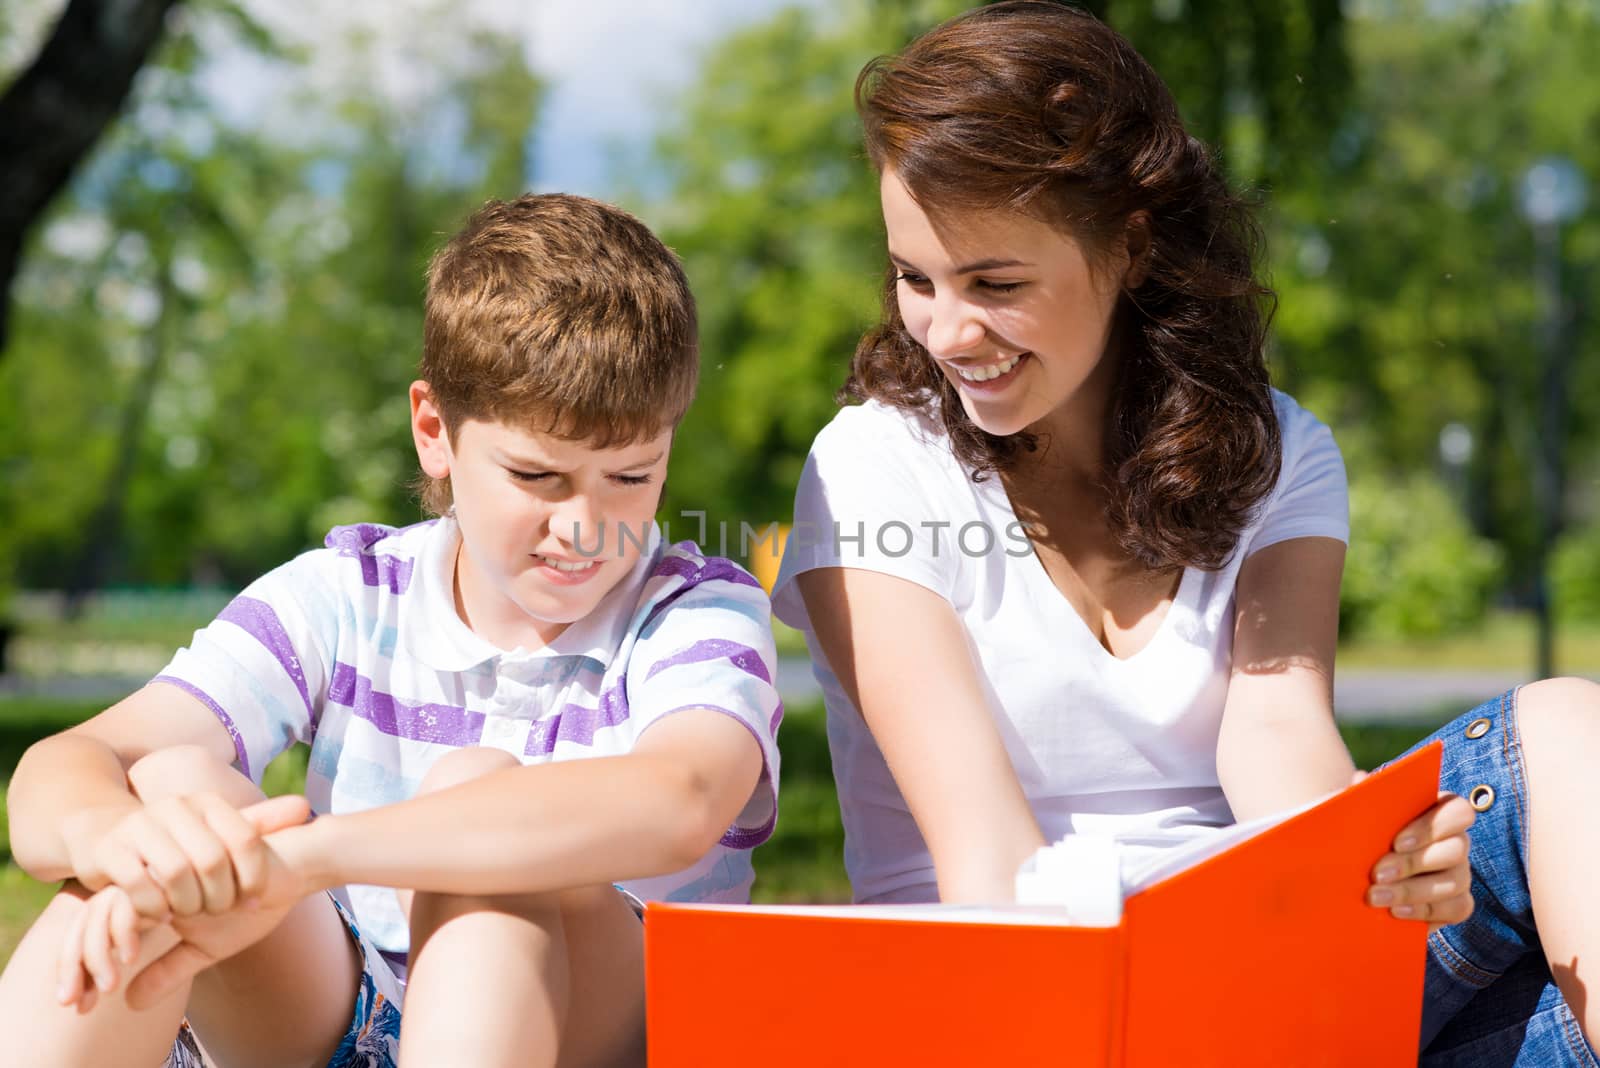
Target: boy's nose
(579,525)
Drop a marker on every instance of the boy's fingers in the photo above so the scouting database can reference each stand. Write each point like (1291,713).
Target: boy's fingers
(169,868)
(1449,815)
(124,925)
(69,967)
(97,952)
(276,813)
(166,974)
(208,857)
(246,852)
(127,870)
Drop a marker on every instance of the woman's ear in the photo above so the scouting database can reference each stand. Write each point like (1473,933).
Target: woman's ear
(429,432)
(1136,240)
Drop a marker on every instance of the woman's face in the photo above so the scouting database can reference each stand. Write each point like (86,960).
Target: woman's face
(1008,307)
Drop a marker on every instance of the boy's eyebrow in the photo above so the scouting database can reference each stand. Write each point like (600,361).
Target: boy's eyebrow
(525,461)
(976,265)
(645,463)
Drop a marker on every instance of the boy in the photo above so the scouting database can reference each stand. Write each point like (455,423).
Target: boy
(451,678)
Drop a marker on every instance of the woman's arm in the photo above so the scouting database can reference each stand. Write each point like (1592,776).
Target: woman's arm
(1279,747)
(902,656)
(653,811)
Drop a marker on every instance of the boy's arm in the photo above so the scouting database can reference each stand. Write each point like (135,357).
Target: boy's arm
(585,822)
(71,788)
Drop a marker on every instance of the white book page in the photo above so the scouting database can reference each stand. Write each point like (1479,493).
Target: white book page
(1003,914)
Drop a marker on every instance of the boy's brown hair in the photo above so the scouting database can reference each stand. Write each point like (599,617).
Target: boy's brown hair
(559,314)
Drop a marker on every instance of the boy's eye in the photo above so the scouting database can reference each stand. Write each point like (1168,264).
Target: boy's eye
(528,476)
(631,480)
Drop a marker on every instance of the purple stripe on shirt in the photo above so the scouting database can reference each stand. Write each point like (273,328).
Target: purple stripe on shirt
(257,619)
(577,723)
(376,570)
(443,724)
(744,658)
(713,567)
(227,721)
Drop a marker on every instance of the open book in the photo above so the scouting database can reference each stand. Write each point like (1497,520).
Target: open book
(1249,946)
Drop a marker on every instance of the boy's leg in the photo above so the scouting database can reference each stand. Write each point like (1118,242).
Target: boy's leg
(1559,724)
(306,969)
(535,979)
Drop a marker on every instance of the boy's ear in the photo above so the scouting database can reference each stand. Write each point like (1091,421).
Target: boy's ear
(429,433)
(1137,238)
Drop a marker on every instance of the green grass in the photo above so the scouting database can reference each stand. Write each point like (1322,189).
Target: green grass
(1504,641)
(801,862)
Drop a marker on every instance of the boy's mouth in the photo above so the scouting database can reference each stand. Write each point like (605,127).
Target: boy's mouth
(566,566)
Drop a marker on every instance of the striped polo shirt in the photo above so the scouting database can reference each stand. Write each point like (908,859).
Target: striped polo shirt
(356,649)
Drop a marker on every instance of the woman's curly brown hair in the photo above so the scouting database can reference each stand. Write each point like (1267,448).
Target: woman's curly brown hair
(1040,108)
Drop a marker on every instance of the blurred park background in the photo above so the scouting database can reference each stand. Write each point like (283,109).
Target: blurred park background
(213,308)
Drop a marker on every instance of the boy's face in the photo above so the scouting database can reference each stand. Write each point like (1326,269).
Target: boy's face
(548,526)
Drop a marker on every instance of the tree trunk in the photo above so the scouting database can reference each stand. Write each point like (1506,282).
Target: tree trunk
(54,112)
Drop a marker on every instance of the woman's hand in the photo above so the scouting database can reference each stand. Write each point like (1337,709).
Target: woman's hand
(1428,875)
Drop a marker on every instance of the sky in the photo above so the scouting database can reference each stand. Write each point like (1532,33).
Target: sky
(610,65)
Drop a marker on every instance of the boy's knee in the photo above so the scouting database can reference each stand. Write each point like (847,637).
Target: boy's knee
(189,769)
(464,765)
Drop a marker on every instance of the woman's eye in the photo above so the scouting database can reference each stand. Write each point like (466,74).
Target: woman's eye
(999,287)
(915,281)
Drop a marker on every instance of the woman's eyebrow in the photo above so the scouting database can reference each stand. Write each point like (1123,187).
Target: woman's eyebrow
(976,265)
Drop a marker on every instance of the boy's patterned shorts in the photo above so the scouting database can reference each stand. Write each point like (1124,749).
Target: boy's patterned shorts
(373,1039)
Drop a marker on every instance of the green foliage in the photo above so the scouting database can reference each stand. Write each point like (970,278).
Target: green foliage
(1404,268)
(1415,567)
(221,321)
(1575,575)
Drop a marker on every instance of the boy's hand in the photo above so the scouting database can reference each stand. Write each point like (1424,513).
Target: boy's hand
(1429,875)
(104,942)
(179,856)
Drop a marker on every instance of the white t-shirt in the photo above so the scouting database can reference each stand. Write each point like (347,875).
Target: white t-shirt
(1126,747)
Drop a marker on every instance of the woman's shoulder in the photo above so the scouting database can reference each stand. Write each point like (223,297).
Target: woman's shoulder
(884,428)
(1303,434)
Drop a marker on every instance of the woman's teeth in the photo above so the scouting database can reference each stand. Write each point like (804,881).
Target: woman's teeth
(994,370)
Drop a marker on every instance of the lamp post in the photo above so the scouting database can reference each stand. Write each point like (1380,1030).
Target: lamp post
(1553,192)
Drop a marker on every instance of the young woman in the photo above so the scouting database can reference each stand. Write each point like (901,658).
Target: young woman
(1074,564)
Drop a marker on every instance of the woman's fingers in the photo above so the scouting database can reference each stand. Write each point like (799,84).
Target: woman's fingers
(1451,815)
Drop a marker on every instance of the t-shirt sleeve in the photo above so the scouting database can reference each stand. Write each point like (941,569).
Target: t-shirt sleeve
(1311,498)
(708,644)
(870,497)
(262,666)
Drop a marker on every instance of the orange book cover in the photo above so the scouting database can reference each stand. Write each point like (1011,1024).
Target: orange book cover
(1264,954)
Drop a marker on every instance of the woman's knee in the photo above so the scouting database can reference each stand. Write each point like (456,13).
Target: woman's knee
(464,765)
(1562,707)
(190,769)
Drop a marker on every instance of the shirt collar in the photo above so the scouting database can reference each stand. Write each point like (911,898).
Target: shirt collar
(440,639)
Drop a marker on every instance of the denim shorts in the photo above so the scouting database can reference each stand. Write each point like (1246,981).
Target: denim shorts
(373,1038)
(1488,998)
